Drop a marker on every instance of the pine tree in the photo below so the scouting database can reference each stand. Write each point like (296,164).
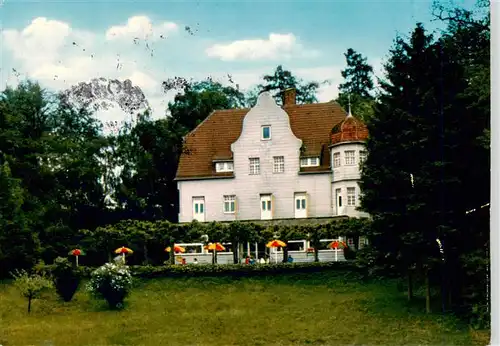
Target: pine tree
(415,176)
(358,75)
(396,177)
(358,86)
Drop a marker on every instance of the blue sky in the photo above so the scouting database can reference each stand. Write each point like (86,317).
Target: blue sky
(244,39)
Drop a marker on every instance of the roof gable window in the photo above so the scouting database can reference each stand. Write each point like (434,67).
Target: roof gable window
(266,132)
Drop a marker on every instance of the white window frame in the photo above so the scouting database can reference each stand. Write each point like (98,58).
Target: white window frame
(278,164)
(302,199)
(254,165)
(262,132)
(226,166)
(229,203)
(300,205)
(350,157)
(309,162)
(303,242)
(362,156)
(337,162)
(198,208)
(266,200)
(351,196)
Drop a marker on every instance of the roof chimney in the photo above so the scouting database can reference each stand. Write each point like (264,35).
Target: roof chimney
(289,97)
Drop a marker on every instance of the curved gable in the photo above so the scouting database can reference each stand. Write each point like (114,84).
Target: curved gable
(212,139)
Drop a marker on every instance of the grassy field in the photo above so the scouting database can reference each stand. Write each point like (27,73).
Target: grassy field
(290,310)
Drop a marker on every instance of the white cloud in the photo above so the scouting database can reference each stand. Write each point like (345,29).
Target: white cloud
(33,40)
(328,74)
(142,28)
(277,46)
(59,56)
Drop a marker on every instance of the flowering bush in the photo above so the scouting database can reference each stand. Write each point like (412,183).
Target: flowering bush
(111,282)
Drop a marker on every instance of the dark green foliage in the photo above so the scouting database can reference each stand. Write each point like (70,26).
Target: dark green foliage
(148,239)
(349,254)
(66,278)
(19,247)
(358,75)
(281,80)
(50,155)
(357,90)
(430,126)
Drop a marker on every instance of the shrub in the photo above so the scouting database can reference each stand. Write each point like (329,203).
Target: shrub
(66,278)
(111,282)
(30,286)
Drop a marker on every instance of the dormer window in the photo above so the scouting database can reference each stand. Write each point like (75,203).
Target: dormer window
(266,133)
(224,166)
(309,162)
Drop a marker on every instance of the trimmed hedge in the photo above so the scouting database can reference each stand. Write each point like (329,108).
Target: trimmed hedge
(232,270)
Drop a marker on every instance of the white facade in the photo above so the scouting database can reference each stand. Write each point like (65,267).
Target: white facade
(346,159)
(267,183)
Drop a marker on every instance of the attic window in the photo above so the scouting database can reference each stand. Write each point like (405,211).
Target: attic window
(309,162)
(224,166)
(266,132)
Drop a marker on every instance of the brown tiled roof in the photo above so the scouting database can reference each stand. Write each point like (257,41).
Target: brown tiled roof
(212,139)
(351,129)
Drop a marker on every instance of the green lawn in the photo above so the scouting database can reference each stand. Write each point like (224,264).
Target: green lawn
(288,310)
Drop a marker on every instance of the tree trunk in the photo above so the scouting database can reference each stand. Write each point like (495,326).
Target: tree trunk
(285,255)
(29,303)
(146,258)
(410,284)
(427,292)
(356,242)
(316,254)
(240,251)
(235,246)
(444,288)
(214,258)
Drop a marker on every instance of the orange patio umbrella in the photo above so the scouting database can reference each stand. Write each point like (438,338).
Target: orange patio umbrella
(124,250)
(177,248)
(215,246)
(276,243)
(76,253)
(335,245)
